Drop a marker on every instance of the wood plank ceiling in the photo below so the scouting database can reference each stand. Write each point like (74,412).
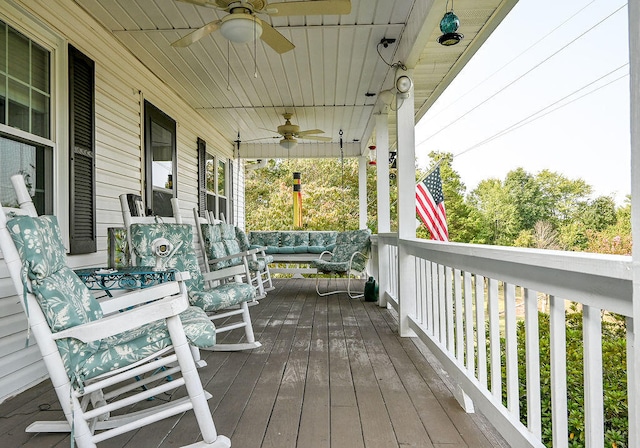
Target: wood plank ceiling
(326,81)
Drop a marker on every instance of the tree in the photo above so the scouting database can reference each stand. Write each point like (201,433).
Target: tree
(499,220)
(329,192)
(462,222)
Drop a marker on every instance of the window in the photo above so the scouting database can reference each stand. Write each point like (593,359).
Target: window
(160,160)
(25,86)
(35,163)
(213,183)
(25,97)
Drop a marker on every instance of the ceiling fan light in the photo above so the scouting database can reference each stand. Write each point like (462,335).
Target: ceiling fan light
(288,143)
(240,28)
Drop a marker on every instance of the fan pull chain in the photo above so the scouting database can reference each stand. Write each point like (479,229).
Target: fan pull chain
(255,50)
(342,174)
(228,65)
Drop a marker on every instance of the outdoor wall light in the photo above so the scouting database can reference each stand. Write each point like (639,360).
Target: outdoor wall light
(449,25)
(403,86)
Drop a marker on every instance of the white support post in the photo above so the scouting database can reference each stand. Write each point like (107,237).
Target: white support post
(634,69)
(382,167)
(383,201)
(362,190)
(406,163)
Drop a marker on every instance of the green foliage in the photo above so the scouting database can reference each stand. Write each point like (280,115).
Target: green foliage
(543,210)
(329,195)
(614,378)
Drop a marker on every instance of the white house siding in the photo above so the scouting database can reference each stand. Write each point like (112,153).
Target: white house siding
(122,84)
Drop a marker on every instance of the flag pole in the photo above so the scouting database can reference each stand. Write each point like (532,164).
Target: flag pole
(433,168)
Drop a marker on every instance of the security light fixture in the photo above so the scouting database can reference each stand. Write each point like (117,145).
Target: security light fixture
(403,86)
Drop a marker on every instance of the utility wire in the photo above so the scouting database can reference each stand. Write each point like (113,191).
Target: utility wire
(523,75)
(522,53)
(535,116)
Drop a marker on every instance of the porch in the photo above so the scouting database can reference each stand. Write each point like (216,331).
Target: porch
(331,372)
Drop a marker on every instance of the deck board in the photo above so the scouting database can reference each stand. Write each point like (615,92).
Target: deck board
(332,373)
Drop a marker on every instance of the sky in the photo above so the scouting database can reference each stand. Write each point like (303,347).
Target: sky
(548,90)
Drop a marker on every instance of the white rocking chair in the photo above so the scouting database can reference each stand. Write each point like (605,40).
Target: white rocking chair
(93,351)
(219,302)
(224,244)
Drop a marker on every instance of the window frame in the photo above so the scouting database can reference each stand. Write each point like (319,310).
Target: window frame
(57,142)
(204,194)
(152,114)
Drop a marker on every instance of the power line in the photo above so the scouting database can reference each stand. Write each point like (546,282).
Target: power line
(522,53)
(523,75)
(535,116)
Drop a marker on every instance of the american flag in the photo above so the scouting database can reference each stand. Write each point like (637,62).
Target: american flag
(430,205)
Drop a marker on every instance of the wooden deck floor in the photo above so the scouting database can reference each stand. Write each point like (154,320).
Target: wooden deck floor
(332,372)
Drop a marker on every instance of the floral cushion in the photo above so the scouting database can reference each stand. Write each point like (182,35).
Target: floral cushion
(184,259)
(268,239)
(64,299)
(242,239)
(322,239)
(212,235)
(127,348)
(222,296)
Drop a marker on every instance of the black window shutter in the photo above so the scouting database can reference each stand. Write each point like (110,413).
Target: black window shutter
(202,176)
(82,207)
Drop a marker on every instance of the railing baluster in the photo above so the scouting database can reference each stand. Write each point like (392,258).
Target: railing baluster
(593,390)
(435,302)
(449,298)
(494,339)
(428,320)
(513,399)
(632,381)
(422,306)
(457,290)
(558,341)
(419,289)
(468,324)
(442,305)
(532,335)
(480,329)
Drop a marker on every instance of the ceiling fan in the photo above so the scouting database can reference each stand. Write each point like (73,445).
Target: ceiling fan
(290,132)
(242,25)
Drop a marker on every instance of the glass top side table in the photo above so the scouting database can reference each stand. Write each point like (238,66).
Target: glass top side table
(128,278)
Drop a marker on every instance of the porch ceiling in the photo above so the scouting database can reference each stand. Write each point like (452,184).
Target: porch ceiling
(323,81)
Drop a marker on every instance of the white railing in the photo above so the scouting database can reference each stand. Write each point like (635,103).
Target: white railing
(466,305)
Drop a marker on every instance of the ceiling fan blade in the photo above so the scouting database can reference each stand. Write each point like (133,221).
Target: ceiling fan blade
(310,8)
(309,132)
(198,34)
(315,137)
(274,39)
(199,2)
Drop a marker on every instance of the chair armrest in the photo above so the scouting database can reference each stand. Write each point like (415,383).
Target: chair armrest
(323,253)
(365,257)
(127,320)
(142,296)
